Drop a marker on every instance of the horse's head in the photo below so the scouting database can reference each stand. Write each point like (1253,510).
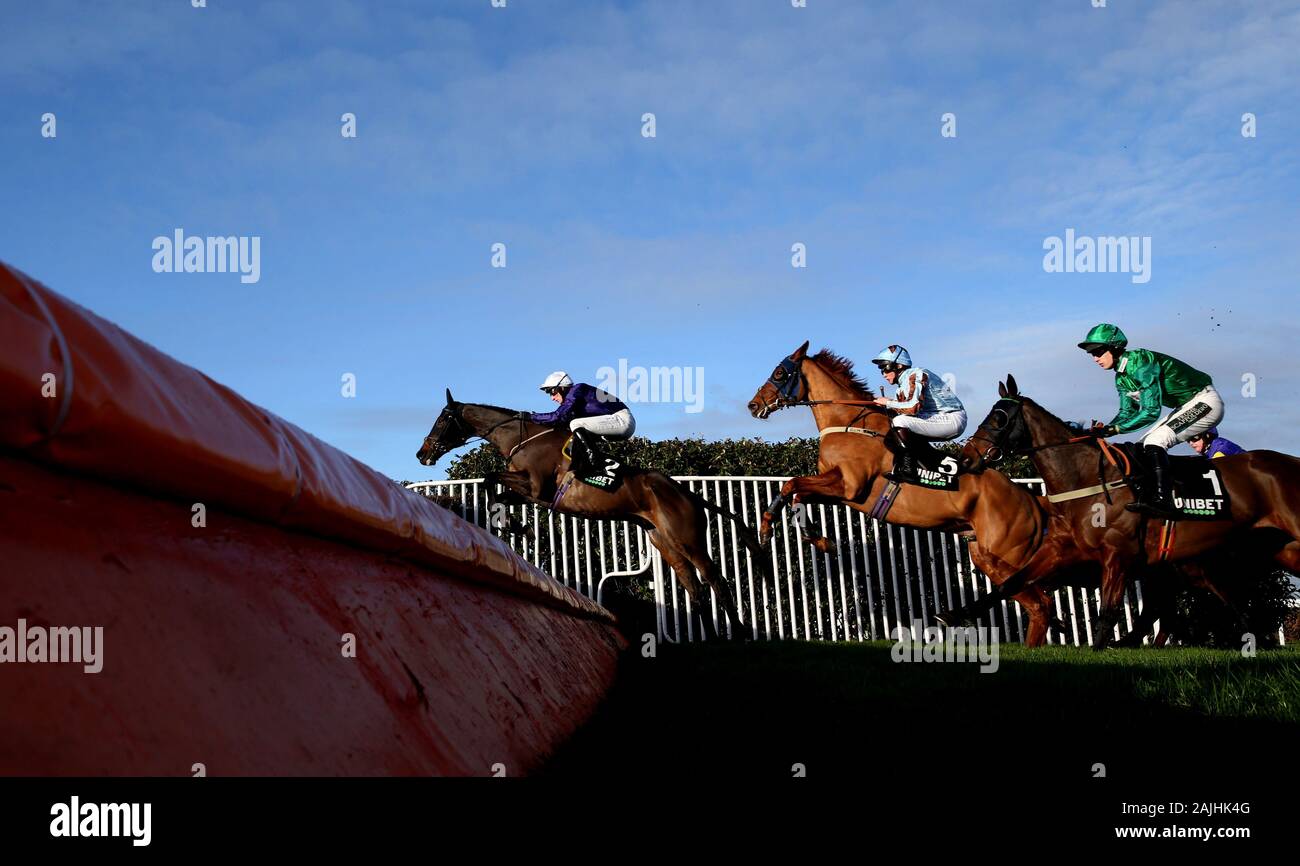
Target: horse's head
(1003,433)
(784,387)
(449,431)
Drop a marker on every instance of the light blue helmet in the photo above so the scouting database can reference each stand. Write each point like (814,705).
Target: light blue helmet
(892,356)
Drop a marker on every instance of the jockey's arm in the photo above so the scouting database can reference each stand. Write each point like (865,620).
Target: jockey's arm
(563,414)
(1143,375)
(909,402)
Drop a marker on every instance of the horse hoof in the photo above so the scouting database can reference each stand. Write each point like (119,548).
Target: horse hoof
(952,618)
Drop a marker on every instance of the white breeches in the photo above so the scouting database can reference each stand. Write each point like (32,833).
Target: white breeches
(1196,416)
(620,425)
(939,426)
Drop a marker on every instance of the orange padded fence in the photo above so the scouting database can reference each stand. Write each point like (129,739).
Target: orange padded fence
(224,645)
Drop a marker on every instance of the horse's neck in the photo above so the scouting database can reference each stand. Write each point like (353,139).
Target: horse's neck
(1063,467)
(822,386)
(500,428)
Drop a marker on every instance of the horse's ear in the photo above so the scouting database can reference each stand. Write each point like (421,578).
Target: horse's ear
(1002,390)
(449,400)
(1012,390)
(800,352)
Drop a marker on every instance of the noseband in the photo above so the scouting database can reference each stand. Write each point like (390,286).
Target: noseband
(788,380)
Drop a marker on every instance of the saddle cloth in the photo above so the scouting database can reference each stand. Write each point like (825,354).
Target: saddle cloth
(1198,488)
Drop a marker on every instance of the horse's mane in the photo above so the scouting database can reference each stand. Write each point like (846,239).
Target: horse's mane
(494,408)
(840,368)
(1060,421)
(1041,408)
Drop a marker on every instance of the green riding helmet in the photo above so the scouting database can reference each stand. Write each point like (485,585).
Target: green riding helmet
(1104,335)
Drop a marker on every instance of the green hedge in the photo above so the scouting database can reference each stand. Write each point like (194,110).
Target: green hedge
(794,456)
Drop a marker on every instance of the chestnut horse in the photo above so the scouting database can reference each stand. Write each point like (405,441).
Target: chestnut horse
(1010,524)
(1263,489)
(675,518)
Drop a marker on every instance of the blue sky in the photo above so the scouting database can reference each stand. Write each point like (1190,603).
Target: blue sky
(775,125)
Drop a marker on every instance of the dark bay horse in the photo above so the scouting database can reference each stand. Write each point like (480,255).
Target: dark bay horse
(1009,522)
(1263,489)
(675,518)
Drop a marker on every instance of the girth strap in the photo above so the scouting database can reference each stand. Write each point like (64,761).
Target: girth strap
(885,502)
(1084,491)
(863,430)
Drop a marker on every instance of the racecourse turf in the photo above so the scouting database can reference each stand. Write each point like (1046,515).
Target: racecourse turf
(850,711)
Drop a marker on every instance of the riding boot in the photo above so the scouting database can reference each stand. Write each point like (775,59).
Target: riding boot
(1157,499)
(896,440)
(579,452)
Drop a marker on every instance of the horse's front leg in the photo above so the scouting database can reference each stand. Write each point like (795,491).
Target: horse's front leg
(828,485)
(773,509)
(516,491)
(519,486)
(999,572)
(1114,579)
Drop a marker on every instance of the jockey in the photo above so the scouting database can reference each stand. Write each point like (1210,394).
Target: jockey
(1146,381)
(1210,444)
(927,408)
(586,410)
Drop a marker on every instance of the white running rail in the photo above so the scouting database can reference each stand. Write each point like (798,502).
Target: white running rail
(886,576)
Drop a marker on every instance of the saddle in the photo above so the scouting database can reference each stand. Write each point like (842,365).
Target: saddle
(1196,484)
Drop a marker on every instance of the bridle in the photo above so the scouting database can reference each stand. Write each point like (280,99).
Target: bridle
(997,451)
(462,428)
(792,390)
(790,383)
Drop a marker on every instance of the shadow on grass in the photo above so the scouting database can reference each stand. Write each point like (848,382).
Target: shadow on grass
(849,712)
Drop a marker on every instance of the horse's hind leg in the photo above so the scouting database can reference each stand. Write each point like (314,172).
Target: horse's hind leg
(715,580)
(685,572)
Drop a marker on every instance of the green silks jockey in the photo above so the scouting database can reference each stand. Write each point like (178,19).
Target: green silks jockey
(1148,381)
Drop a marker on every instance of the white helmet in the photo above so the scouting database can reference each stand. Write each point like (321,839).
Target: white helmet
(558,379)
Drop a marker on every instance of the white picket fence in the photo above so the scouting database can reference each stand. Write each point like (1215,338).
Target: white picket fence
(885,576)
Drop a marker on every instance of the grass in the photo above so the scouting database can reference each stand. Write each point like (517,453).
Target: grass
(849,711)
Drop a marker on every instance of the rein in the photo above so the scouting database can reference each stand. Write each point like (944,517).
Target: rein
(472,434)
(1107,455)
(788,388)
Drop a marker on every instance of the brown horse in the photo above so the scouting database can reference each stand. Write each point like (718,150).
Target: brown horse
(1089,494)
(675,518)
(1009,522)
